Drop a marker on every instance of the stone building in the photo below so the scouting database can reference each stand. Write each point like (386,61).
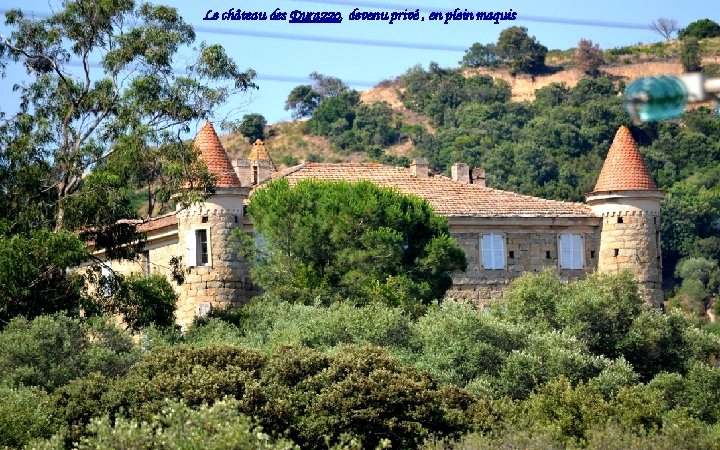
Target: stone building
(504,234)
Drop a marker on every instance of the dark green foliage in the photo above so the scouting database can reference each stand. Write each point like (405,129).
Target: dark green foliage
(690,56)
(438,92)
(143,300)
(302,100)
(700,29)
(479,55)
(356,392)
(333,241)
(524,54)
(253,127)
(33,274)
(52,350)
(334,115)
(79,401)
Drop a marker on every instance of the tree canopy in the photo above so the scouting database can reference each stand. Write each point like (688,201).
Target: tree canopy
(700,29)
(337,240)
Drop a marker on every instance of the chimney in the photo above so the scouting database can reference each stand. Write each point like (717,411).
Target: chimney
(419,167)
(477,176)
(461,172)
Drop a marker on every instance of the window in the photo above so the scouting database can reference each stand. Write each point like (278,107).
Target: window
(493,251)
(198,247)
(571,251)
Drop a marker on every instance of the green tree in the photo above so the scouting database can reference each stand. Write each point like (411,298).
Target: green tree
(479,55)
(690,56)
(700,29)
(524,54)
(253,127)
(336,240)
(302,101)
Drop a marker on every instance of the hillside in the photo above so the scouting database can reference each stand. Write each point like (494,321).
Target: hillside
(290,142)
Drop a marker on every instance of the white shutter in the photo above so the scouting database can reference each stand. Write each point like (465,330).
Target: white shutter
(487,252)
(577,251)
(565,251)
(571,251)
(191,245)
(498,251)
(493,251)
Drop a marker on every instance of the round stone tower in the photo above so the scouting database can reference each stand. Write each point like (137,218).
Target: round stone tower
(628,201)
(214,276)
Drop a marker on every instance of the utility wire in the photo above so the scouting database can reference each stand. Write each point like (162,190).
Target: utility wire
(259,77)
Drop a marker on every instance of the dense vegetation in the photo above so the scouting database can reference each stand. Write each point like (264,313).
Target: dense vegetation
(585,364)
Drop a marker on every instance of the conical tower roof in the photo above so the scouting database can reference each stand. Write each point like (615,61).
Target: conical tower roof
(624,168)
(214,156)
(260,153)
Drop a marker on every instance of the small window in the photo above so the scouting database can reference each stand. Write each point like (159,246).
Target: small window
(620,220)
(198,247)
(571,251)
(204,219)
(512,254)
(236,219)
(254,174)
(493,251)
(616,252)
(592,253)
(547,254)
(202,247)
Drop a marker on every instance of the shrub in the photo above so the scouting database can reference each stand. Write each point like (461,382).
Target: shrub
(49,351)
(219,426)
(145,300)
(25,414)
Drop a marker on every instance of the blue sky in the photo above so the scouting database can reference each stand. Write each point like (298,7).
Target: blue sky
(264,47)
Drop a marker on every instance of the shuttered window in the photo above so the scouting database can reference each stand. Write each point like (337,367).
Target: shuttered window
(197,243)
(571,251)
(493,251)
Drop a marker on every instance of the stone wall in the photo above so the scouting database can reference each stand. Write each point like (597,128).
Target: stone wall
(631,240)
(531,251)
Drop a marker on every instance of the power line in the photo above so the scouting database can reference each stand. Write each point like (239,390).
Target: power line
(259,77)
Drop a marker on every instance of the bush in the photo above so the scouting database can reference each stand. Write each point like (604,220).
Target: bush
(220,426)
(690,56)
(145,300)
(457,342)
(25,414)
(49,351)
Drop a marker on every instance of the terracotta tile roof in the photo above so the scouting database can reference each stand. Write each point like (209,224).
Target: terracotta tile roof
(155,223)
(214,156)
(448,197)
(624,168)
